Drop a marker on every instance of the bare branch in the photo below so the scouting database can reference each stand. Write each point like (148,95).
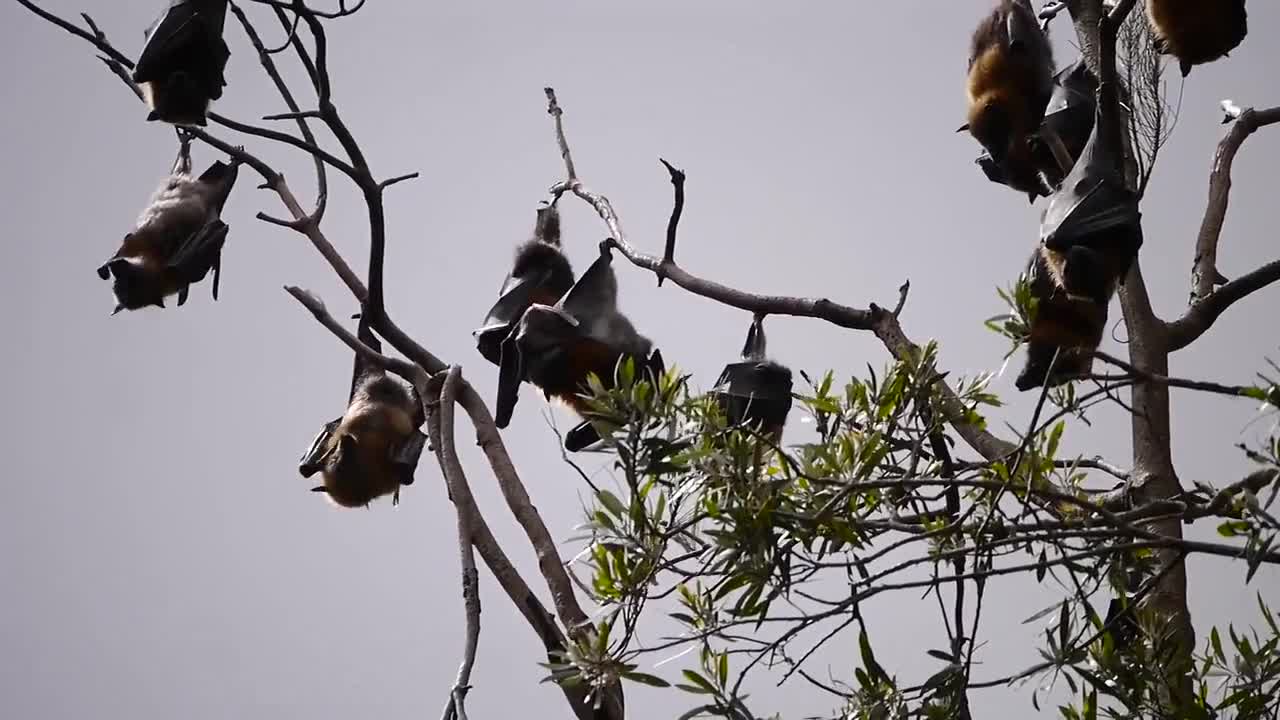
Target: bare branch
(669,253)
(264,57)
(1204,273)
(883,323)
(447,455)
(392,181)
(553,109)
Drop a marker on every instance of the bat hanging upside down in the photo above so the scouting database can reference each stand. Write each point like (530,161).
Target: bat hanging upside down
(373,449)
(541,274)
(1010,82)
(1090,234)
(557,347)
(1197,31)
(181,69)
(756,392)
(178,239)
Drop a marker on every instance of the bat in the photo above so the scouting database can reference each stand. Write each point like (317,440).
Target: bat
(1009,84)
(757,391)
(1090,233)
(541,274)
(373,449)
(181,67)
(557,347)
(1067,124)
(178,238)
(1197,31)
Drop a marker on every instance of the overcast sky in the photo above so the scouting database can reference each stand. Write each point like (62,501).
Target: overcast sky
(161,557)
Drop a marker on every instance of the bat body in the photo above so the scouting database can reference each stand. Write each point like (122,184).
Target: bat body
(178,238)
(181,68)
(757,391)
(557,347)
(541,274)
(1067,124)
(373,449)
(1197,31)
(1009,84)
(1090,234)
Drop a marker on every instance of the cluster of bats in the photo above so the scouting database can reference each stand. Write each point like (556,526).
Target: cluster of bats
(546,329)
(1044,135)
(1041,130)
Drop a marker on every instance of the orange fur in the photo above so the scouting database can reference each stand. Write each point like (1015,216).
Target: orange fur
(1197,31)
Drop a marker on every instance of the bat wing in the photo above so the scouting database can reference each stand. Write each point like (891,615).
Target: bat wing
(1093,198)
(187,37)
(405,458)
(1021,26)
(510,375)
(197,255)
(755,391)
(220,178)
(582,436)
(515,297)
(596,284)
(313,460)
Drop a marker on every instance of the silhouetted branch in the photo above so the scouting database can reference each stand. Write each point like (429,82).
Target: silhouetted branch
(669,253)
(882,322)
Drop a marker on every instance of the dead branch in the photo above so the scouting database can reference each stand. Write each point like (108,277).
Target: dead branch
(882,322)
(447,455)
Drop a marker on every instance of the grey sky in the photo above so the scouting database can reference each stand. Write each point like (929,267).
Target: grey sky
(160,556)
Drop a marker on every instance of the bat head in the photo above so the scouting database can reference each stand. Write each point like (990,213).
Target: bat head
(133,285)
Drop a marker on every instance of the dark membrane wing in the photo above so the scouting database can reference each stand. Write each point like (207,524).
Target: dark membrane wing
(1092,198)
(187,38)
(407,455)
(313,460)
(222,176)
(510,375)
(516,297)
(991,169)
(581,436)
(583,298)
(199,253)
(755,391)
(175,27)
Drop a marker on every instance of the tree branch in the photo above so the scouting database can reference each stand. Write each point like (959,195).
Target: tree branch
(882,322)
(447,456)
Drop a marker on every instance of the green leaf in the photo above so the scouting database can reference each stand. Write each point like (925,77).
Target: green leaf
(646,679)
(706,687)
(612,504)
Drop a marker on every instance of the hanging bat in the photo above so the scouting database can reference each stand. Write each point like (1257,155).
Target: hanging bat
(540,275)
(1067,124)
(556,347)
(1197,31)
(1010,81)
(373,449)
(756,392)
(178,238)
(181,67)
(1090,233)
